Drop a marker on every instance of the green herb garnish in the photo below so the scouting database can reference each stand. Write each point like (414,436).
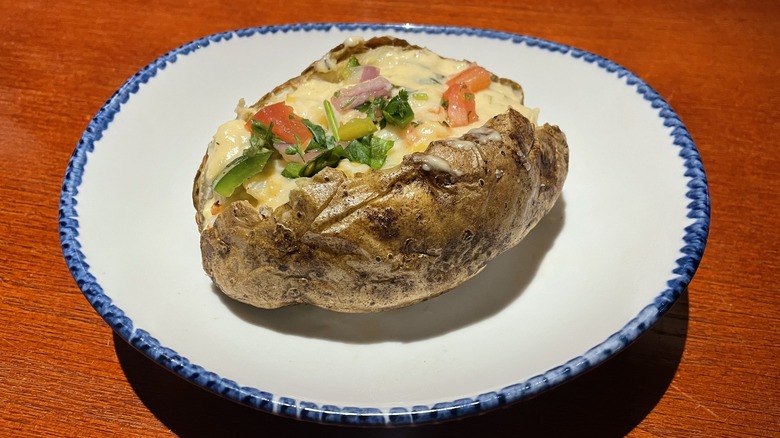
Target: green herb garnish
(373,109)
(262,136)
(331,116)
(319,140)
(368,150)
(329,158)
(398,112)
(395,111)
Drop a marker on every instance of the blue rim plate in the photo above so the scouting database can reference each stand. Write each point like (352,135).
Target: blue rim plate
(615,253)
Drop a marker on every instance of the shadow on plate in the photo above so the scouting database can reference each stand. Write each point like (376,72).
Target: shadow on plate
(504,279)
(608,401)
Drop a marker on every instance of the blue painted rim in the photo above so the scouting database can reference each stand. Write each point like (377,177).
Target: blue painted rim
(692,251)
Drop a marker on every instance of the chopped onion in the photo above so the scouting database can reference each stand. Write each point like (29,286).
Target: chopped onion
(355,95)
(307,156)
(367,72)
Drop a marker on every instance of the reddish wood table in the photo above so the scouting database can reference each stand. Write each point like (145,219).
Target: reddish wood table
(708,368)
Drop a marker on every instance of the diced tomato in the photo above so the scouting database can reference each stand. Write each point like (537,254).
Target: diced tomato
(287,125)
(474,77)
(461,109)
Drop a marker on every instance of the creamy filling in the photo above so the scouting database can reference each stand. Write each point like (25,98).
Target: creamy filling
(422,73)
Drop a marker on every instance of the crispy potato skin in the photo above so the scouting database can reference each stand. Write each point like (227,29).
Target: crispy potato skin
(390,238)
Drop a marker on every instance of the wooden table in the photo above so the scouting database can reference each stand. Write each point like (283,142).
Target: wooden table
(708,368)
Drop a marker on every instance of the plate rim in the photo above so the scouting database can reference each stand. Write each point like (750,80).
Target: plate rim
(695,238)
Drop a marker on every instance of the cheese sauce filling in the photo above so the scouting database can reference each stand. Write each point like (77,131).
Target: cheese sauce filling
(422,73)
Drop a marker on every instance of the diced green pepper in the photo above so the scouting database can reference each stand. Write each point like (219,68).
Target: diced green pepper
(356,128)
(240,170)
(327,159)
(292,170)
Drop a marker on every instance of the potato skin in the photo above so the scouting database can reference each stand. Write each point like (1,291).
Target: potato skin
(390,238)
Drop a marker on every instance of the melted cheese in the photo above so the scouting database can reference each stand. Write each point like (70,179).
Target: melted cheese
(228,143)
(422,73)
(432,162)
(269,186)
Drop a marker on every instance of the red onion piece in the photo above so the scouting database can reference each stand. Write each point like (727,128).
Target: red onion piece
(307,156)
(353,96)
(362,73)
(282,148)
(367,72)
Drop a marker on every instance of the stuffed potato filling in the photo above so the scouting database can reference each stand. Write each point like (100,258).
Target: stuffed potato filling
(364,113)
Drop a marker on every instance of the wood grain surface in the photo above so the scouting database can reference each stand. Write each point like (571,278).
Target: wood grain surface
(708,368)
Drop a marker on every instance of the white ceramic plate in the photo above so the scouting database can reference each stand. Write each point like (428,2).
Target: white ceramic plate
(618,248)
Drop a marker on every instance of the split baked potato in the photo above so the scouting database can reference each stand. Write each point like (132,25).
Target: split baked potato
(382,176)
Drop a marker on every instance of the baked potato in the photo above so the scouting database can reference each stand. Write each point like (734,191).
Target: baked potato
(357,216)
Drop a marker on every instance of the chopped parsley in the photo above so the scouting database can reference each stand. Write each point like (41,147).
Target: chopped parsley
(368,150)
(395,111)
(398,112)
